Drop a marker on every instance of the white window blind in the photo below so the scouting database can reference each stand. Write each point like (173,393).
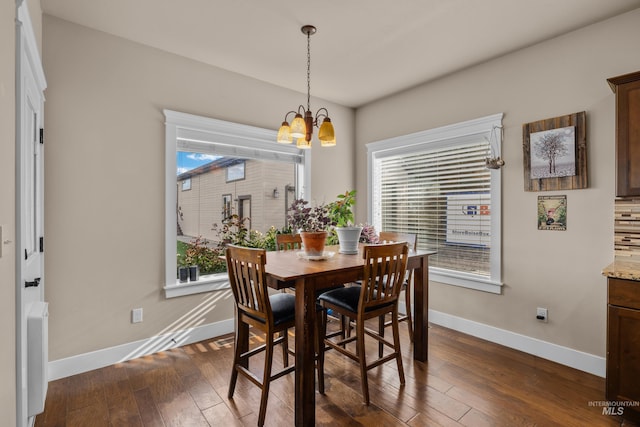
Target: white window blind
(435,184)
(443,196)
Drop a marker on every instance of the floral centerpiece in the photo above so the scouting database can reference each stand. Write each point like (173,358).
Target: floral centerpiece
(369,235)
(312,223)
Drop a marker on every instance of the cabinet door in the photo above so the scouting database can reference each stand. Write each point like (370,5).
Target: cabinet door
(623,354)
(628,139)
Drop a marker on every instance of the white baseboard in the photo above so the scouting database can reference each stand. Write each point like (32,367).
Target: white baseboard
(63,368)
(586,362)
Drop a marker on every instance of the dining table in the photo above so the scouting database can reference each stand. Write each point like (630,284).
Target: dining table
(293,269)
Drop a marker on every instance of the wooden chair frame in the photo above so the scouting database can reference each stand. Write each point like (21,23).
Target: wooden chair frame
(246,269)
(412,241)
(383,264)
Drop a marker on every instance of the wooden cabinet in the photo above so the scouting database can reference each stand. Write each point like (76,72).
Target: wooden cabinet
(623,344)
(627,90)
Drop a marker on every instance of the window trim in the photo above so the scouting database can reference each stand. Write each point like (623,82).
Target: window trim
(441,137)
(186,130)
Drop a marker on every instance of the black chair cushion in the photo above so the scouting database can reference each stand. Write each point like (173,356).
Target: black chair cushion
(283,306)
(404,284)
(347,298)
(322,291)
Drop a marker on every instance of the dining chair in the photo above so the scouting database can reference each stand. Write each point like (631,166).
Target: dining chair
(412,241)
(286,242)
(270,314)
(386,264)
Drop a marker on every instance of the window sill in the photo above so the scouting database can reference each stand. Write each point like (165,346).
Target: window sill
(212,282)
(470,281)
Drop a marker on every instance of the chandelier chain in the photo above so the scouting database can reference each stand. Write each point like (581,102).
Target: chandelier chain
(308,71)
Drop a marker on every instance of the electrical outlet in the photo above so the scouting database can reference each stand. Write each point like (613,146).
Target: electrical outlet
(136,315)
(542,314)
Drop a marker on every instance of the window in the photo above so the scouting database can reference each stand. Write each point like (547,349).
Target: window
(186,184)
(435,184)
(235,172)
(231,168)
(226,206)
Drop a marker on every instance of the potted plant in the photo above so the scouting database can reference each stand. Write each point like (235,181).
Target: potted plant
(341,212)
(183,269)
(312,223)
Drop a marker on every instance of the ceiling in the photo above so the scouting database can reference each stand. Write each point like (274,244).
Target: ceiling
(363,50)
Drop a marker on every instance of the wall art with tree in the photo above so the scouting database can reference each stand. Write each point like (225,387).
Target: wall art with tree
(555,153)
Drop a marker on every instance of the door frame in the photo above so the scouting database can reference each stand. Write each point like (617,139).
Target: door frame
(28,66)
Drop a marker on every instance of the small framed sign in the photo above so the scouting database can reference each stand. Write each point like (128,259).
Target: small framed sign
(552,213)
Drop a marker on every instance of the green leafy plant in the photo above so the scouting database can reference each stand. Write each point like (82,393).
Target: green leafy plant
(198,252)
(341,211)
(234,231)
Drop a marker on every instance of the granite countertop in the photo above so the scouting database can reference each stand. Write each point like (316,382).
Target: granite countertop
(623,269)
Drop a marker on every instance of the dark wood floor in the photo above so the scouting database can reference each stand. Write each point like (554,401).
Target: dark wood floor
(466,382)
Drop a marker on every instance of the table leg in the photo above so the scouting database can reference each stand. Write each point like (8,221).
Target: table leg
(421,310)
(305,398)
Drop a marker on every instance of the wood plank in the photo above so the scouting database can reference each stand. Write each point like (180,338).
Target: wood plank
(147,408)
(467,381)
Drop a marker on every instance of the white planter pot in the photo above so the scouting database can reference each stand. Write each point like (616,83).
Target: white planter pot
(348,237)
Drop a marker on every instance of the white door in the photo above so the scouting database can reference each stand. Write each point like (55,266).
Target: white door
(31,206)
(29,201)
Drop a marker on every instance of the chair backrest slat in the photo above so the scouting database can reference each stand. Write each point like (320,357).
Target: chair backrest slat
(247,278)
(410,238)
(287,242)
(384,270)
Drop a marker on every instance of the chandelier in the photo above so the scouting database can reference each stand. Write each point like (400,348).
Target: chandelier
(302,125)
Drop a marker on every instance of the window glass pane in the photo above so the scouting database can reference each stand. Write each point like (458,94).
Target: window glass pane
(444,196)
(261,195)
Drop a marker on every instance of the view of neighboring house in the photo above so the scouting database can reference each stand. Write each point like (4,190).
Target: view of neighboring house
(256,189)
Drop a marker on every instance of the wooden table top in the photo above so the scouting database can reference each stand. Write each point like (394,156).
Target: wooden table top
(287,266)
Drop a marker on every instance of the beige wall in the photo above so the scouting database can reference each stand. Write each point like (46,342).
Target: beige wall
(7,214)
(105,179)
(557,270)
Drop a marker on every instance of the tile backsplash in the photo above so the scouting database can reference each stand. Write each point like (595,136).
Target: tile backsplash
(627,228)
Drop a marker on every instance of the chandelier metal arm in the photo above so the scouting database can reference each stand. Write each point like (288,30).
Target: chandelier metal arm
(287,115)
(319,115)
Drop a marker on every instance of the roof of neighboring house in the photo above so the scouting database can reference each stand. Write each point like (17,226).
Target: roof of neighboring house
(220,163)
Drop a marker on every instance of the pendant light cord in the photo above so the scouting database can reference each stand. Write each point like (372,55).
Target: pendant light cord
(308,71)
